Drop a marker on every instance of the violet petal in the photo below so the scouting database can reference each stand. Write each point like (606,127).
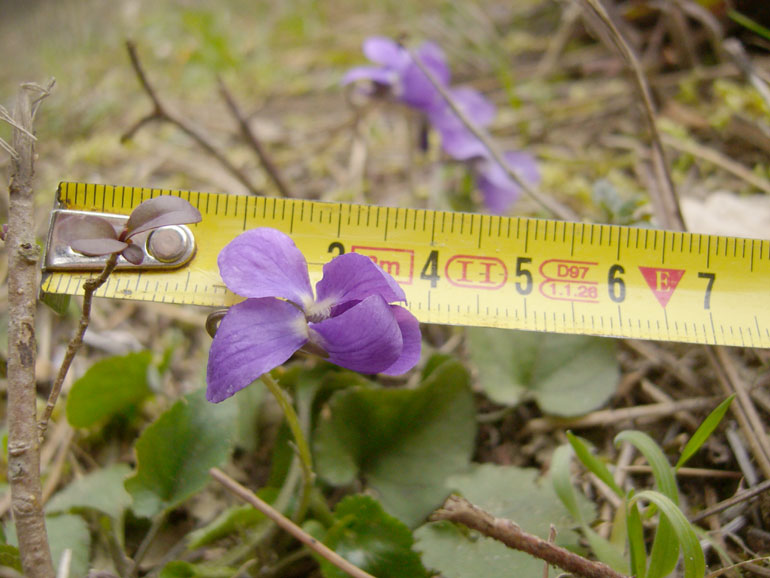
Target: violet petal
(160,212)
(365,338)
(417,89)
(412,337)
(82,227)
(385,51)
(254,337)
(456,139)
(384,76)
(133,254)
(353,276)
(97,247)
(500,192)
(265,263)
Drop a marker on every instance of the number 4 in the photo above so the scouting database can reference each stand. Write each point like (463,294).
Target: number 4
(711,278)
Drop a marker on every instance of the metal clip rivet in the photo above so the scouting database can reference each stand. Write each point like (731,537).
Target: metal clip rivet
(167,244)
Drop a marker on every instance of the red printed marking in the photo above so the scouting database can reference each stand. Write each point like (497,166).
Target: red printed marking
(662,282)
(568,281)
(476,271)
(399,263)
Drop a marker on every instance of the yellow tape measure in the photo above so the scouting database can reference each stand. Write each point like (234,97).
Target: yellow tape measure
(460,268)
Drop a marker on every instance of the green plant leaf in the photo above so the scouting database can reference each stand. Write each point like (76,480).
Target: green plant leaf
(704,431)
(101,490)
(403,443)
(69,532)
(10,557)
(181,569)
(594,464)
(371,539)
(518,494)
(109,387)
(176,451)
(692,554)
(566,375)
(636,547)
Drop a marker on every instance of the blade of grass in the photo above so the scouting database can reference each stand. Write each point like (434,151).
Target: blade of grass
(562,481)
(661,469)
(692,553)
(636,541)
(704,431)
(593,463)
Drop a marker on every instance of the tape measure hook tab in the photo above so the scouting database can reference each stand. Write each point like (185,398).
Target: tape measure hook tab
(168,247)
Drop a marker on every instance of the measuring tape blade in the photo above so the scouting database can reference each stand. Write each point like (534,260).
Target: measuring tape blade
(462,268)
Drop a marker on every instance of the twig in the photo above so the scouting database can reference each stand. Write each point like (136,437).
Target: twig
(460,510)
(23,441)
(608,416)
(730,502)
(673,218)
(162,113)
(545,201)
(719,160)
(251,139)
(744,411)
(283,522)
(89,288)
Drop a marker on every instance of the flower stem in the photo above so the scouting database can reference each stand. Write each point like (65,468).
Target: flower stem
(89,288)
(303,449)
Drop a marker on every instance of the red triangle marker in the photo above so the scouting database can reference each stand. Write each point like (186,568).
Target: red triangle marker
(662,282)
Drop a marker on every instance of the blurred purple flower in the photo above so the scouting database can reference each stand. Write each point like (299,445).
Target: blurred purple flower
(351,318)
(398,73)
(498,190)
(95,236)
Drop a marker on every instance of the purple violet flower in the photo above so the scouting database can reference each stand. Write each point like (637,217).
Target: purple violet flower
(498,190)
(350,318)
(456,140)
(398,73)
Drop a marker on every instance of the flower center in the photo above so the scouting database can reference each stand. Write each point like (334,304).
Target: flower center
(319,310)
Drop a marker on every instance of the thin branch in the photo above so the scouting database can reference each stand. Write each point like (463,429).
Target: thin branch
(89,288)
(283,522)
(459,510)
(162,113)
(672,216)
(744,496)
(251,139)
(545,201)
(23,441)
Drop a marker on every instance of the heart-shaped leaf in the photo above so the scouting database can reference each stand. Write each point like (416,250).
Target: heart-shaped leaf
(371,539)
(403,443)
(566,375)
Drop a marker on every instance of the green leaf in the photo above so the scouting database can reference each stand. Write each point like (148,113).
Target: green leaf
(661,469)
(692,554)
(58,302)
(404,443)
(109,387)
(180,569)
(566,375)
(517,494)
(593,463)
(176,451)
(10,557)
(70,532)
(704,431)
(232,520)
(101,490)
(561,478)
(374,541)
(636,546)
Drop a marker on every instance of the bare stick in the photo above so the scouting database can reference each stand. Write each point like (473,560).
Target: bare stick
(548,203)
(283,522)
(672,216)
(89,288)
(251,139)
(162,113)
(460,510)
(23,441)
(744,496)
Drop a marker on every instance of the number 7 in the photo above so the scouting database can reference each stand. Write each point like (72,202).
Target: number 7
(707,298)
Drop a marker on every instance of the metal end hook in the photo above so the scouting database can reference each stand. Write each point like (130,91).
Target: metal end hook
(212,321)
